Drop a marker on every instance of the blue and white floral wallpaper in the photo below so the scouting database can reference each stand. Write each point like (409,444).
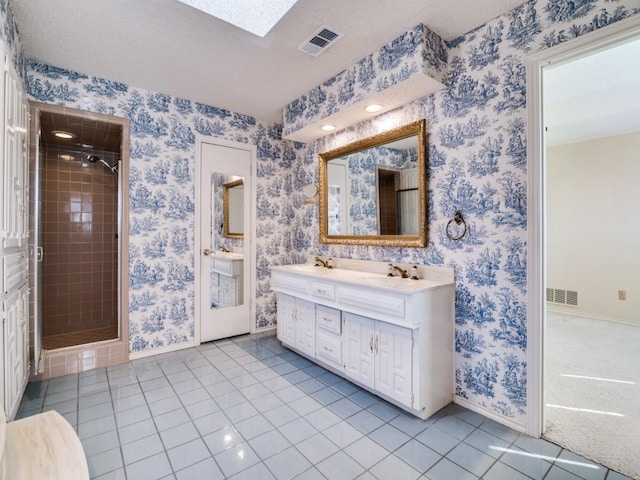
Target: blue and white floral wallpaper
(477,164)
(162,195)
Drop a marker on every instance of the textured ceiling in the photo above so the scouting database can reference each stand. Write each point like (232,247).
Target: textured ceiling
(89,134)
(169,47)
(594,96)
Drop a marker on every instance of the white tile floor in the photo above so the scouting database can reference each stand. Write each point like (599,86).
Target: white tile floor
(247,408)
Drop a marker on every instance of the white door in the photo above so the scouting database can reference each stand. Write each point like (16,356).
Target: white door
(306,327)
(393,346)
(338,177)
(286,319)
(358,353)
(221,165)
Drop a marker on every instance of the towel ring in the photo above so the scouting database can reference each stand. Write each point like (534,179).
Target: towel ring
(457,217)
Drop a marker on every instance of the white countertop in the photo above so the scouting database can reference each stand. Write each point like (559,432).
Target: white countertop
(362,278)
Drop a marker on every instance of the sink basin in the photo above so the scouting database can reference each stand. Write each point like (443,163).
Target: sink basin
(227,255)
(311,269)
(405,284)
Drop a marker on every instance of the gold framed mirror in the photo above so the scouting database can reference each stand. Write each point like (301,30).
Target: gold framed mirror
(374,191)
(233,209)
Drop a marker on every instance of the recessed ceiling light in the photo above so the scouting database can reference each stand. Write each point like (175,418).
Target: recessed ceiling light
(63,134)
(255,16)
(373,108)
(328,128)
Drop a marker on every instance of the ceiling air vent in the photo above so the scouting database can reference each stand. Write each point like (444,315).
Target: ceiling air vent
(322,39)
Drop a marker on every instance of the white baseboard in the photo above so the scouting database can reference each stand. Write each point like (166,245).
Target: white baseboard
(591,316)
(463,402)
(264,330)
(159,351)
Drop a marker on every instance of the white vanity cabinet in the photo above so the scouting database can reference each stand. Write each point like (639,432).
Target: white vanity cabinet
(226,279)
(298,326)
(391,336)
(380,356)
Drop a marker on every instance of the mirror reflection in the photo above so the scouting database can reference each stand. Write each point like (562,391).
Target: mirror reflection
(373,192)
(227,208)
(233,206)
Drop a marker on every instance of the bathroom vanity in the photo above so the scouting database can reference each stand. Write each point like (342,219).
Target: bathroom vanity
(393,336)
(226,279)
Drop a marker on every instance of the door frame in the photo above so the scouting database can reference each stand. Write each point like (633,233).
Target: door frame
(249,240)
(589,43)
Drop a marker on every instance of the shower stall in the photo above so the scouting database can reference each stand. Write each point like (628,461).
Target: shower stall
(77,206)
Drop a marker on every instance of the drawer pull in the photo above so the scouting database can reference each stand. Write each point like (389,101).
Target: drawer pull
(326,319)
(330,350)
(321,290)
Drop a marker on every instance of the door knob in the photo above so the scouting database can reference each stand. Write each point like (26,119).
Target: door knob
(206,252)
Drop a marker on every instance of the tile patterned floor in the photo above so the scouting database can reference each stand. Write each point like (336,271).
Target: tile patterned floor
(247,408)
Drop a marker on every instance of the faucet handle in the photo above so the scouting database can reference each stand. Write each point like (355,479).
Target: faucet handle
(390,270)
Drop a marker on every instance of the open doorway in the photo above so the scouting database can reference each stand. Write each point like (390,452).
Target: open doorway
(591,328)
(79,181)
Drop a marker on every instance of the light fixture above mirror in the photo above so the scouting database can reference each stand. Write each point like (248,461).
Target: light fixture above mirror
(374,191)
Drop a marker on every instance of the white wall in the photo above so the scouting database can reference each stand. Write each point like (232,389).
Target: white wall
(593,224)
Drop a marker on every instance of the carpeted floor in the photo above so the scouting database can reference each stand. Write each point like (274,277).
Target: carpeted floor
(592,390)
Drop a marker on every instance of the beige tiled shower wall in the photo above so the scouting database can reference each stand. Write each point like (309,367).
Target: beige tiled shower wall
(80,225)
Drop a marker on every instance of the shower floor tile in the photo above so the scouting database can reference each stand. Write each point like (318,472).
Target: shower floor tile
(52,342)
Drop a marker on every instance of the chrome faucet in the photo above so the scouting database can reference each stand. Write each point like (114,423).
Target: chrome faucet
(392,268)
(321,262)
(224,248)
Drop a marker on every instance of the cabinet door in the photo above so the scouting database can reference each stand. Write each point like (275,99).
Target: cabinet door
(393,346)
(15,175)
(14,348)
(357,344)
(286,319)
(227,291)
(306,327)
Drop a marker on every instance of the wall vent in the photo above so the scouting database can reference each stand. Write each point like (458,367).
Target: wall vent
(319,41)
(562,297)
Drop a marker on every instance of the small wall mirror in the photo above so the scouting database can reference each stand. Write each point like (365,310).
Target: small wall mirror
(233,208)
(374,191)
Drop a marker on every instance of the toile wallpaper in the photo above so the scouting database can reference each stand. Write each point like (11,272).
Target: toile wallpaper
(476,163)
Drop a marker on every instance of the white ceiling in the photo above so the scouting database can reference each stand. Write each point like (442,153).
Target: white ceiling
(169,47)
(594,96)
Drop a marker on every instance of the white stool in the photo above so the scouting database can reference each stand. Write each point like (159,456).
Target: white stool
(40,447)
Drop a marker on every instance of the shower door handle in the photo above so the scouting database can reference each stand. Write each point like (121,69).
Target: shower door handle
(39,254)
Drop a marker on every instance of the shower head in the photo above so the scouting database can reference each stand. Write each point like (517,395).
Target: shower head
(94,159)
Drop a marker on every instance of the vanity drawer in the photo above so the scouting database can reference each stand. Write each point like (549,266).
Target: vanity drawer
(372,303)
(291,284)
(329,319)
(323,290)
(329,349)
